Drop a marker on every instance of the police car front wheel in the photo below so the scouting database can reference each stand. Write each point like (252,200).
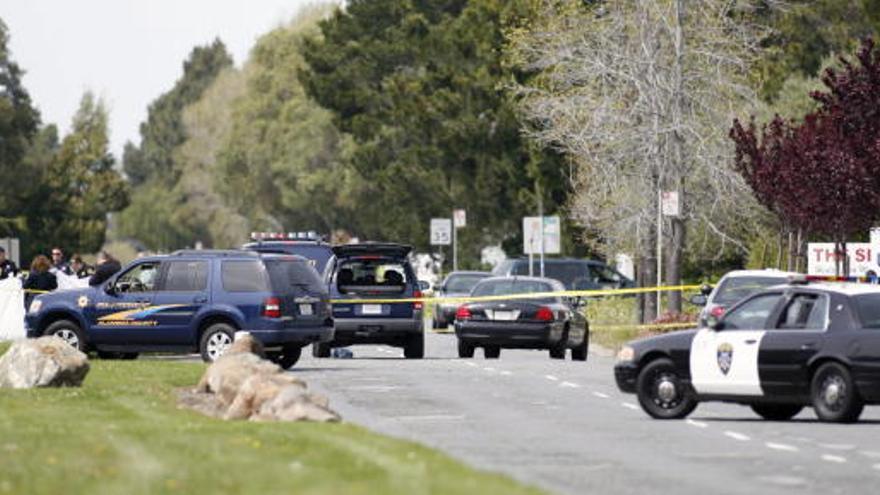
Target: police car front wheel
(661,392)
(69,332)
(834,395)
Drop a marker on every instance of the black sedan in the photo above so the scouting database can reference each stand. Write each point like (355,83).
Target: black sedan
(550,322)
(779,350)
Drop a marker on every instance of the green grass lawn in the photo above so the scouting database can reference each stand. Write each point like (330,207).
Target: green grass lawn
(122,433)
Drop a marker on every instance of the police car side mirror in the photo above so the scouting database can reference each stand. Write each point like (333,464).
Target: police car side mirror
(698,300)
(714,323)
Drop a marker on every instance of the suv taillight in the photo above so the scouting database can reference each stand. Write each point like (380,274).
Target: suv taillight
(272,307)
(417,295)
(463,313)
(544,314)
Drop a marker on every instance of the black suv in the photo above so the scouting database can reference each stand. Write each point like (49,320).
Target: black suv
(374,271)
(308,246)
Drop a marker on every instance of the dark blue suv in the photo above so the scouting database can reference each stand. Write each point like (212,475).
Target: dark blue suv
(366,272)
(193,301)
(315,250)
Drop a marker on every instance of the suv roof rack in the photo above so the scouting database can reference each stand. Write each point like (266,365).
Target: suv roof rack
(213,252)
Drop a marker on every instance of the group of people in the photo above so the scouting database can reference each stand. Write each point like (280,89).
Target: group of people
(43,272)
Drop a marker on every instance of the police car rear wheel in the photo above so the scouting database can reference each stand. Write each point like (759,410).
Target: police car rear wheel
(777,412)
(69,332)
(215,341)
(661,392)
(491,352)
(286,358)
(465,350)
(834,395)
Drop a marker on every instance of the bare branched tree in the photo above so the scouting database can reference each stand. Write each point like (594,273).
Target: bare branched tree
(641,93)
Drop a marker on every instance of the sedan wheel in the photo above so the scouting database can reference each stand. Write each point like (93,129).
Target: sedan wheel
(465,350)
(834,395)
(661,392)
(491,352)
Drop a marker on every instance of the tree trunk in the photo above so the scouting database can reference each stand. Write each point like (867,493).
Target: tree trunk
(778,264)
(648,272)
(673,266)
(789,265)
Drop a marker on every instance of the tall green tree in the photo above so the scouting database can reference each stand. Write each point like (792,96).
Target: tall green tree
(163,131)
(80,186)
(420,87)
(19,122)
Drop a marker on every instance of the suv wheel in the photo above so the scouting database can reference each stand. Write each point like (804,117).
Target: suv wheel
(69,332)
(465,349)
(415,346)
(321,350)
(287,357)
(215,341)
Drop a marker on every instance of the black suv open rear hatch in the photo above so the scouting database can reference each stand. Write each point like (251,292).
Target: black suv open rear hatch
(398,251)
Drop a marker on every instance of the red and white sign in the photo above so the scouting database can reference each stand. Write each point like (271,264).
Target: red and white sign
(821,258)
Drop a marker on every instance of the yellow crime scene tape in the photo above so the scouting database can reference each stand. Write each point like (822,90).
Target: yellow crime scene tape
(530,295)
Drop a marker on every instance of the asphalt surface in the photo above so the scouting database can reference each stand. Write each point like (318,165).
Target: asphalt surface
(564,426)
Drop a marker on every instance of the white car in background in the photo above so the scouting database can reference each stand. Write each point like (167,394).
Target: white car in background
(734,286)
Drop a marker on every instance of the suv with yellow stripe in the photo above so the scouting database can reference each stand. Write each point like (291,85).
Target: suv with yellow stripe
(193,301)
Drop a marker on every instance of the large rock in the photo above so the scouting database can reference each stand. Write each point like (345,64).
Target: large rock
(42,362)
(241,385)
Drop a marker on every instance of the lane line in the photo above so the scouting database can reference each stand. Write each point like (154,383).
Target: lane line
(506,373)
(876,466)
(489,369)
(551,377)
(601,395)
(698,424)
(837,446)
(737,436)
(569,385)
(833,458)
(630,406)
(472,365)
(782,446)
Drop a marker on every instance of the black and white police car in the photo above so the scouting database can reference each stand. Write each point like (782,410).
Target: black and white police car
(779,350)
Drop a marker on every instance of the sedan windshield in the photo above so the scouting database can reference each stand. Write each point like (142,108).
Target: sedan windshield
(735,289)
(513,286)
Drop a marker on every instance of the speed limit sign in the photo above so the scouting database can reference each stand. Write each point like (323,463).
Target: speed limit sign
(441,231)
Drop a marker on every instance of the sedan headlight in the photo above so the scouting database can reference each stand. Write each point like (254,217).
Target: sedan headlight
(36,304)
(626,354)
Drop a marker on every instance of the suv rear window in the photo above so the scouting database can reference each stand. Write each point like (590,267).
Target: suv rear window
(244,276)
(287,275)
(377,275)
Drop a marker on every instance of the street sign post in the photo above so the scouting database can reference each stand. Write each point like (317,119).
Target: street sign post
(541,235)
(459,220)
(441,231)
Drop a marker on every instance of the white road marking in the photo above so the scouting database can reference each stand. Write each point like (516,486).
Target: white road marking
(601,395)
(551,377)
(489,369)
(472,365)
(737,436)
(698,424)
(833,458)
(569,385)
(837,446)
(868,453)
(781,446)
(876,466)
(506,373)
(630,406)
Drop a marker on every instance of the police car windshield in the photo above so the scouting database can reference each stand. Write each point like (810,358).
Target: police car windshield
(735,289)
(506,287)
(868,308)
(462,284)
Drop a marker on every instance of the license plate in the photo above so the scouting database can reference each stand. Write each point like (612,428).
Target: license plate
(306,310)
(505,315)
(371,309)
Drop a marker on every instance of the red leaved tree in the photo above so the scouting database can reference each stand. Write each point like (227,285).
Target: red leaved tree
(822,175)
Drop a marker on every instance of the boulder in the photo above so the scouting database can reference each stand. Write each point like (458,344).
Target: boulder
(42,362)
(241,385)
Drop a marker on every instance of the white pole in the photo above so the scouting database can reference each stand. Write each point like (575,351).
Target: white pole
(659,250)
(531,255)
(454,244)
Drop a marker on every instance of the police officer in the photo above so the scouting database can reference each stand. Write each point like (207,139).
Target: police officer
(107,266)
(7,267)
(58,261)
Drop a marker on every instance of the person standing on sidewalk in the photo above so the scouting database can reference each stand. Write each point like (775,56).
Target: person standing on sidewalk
(7,266)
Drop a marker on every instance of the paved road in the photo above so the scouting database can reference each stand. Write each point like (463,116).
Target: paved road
(564,426)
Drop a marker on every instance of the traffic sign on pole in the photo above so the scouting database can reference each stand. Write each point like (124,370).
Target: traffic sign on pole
(459,218)
(441,231)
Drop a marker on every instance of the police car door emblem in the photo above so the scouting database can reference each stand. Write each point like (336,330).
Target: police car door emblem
(83,301)
(725,357)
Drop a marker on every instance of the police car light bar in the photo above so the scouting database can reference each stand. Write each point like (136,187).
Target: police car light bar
(805,279)
(285,236)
